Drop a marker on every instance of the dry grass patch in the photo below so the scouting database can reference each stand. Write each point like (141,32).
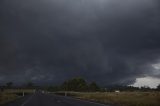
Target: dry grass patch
(123,98)
(7,97)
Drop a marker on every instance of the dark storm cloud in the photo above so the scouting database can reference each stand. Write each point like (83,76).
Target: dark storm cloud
(109,41)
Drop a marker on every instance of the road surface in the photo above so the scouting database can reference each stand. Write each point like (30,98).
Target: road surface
(51,100)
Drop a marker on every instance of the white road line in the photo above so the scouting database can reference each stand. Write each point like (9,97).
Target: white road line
(27,100)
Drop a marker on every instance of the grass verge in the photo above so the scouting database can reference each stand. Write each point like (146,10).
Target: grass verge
(122,98)
(9,95)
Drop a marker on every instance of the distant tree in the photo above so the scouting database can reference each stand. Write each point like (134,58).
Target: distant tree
(75,84)
(9,84)
(53,88)
(158,87)
(145,88)
(30,85)
(122,88)
(1,88)
(65,86)
(93,87)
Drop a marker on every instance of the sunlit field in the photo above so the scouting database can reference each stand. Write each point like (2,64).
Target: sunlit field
(122,98)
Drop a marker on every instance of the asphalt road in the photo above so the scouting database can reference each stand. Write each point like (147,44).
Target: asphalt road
(51,100)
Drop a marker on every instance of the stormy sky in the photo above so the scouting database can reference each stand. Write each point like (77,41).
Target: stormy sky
(107,41)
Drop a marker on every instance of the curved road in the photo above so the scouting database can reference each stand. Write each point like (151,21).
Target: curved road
(40,99)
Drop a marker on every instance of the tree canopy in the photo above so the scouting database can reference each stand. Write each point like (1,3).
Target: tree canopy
(75,84)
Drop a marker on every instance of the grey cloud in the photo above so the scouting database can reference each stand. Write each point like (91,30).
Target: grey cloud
(109,41)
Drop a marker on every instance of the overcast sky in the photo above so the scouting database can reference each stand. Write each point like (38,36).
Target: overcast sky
(107,41)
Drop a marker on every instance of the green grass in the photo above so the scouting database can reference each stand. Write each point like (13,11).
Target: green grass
(122,98)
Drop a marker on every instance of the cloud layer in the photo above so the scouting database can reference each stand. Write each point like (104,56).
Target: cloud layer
(108,41)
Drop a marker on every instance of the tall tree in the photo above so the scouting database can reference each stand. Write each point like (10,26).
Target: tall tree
(75,84)
(93,87)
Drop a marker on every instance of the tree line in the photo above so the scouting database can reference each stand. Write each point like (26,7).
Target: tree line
(76,84)
(79,85)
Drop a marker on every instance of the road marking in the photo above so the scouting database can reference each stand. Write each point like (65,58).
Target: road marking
(27,100)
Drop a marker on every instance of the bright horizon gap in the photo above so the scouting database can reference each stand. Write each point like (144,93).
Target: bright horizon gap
(147,81)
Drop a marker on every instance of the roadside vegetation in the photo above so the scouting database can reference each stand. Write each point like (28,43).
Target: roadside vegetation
(116,95)
(121,98)
(9,93)
(7,97)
